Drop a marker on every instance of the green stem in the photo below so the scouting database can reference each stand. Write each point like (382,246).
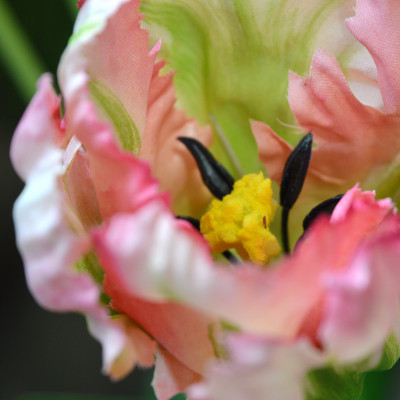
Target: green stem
(17,54)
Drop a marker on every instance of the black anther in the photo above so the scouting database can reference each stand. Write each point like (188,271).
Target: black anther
(214,175)
(326,207)
(293,177)
(295,172)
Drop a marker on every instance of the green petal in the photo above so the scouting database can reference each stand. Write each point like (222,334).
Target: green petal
(233,58)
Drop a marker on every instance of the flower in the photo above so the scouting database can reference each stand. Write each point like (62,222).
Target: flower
(99,234)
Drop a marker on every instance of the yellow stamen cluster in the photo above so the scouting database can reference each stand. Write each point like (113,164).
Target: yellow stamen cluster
(241,220)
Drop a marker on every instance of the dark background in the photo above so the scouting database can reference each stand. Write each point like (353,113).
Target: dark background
(42,352)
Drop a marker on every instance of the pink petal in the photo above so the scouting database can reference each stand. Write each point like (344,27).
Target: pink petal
(362,302)
(183,332)
(46,230)
(170,376)
(352,139)
(80,3)
(178,266)
(38,129)
(114,54)
(259,369)
(272,149)
(122,182)
(50,249)
(376,25)
(170,161)
(139,349)
(81,191)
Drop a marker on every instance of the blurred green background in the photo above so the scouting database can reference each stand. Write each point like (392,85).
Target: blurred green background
(43,355)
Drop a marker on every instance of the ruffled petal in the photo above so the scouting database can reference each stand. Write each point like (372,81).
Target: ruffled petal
(376,26)
(38,131)
(139,349)
(170,376)
(170,161)
(50,249)
(48,234)
(81,191)
(109,52)
(273,151)
(181,331)
(177,266)
(122,182)
(362,302)
(259,368)
(352,139)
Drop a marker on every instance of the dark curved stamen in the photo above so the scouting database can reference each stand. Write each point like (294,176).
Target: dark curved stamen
(196,224)
(326,207)
(218,180)
(293,177)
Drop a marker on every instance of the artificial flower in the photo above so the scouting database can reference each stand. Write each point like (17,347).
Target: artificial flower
(106,241)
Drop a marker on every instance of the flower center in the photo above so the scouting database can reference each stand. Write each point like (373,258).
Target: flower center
(241,220)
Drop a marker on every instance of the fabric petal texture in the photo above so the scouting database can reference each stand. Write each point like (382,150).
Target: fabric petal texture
(103,222)
(259,368)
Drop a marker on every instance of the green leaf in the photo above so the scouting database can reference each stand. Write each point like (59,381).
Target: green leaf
(330,384)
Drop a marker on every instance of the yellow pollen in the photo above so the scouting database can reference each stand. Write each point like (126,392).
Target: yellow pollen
(241,220)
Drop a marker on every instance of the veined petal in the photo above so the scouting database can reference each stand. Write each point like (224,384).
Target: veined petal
(272,149)
(170,161)
(352,139)
(232,59)
(122,182)
(139,349)
(109,52)
(375,24)
(50,249)
(171,376)
(38,131)
(45,225)
(182,331)
(259,369)
(362,303)
(177,266)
